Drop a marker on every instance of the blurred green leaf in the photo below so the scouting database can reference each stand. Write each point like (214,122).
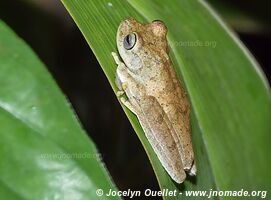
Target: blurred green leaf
(44,152)
(229,94)
(245,16)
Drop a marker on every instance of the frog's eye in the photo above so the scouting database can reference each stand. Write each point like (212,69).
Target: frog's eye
(129,41)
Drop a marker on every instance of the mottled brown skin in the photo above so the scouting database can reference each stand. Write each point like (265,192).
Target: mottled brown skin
(155,95)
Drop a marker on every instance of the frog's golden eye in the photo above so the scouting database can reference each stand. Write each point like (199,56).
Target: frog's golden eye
(129,41)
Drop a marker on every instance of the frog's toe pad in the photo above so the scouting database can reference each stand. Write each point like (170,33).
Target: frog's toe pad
(120,93)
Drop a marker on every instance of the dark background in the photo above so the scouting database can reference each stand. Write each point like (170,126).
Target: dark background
(76,70)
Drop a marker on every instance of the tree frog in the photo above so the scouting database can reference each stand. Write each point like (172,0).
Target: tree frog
(154,94)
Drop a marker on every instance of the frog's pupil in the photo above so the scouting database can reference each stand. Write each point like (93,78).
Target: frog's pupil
(129,41)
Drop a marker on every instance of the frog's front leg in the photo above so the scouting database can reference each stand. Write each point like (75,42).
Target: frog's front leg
(124,81)
(117,80)
(122,75)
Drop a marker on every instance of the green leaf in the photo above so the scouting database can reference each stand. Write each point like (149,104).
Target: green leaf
(245,16)
(229,95)
(44,152)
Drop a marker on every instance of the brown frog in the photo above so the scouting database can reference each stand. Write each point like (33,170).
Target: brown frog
(154,94)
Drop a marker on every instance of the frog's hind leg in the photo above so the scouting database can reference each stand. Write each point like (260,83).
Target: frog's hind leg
(129,105)
(158,131)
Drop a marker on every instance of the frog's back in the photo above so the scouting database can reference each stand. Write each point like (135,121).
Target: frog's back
(174,101)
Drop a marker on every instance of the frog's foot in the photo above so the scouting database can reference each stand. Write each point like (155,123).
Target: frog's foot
(122,87)
(116,58)
(193,170)
(120,93)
